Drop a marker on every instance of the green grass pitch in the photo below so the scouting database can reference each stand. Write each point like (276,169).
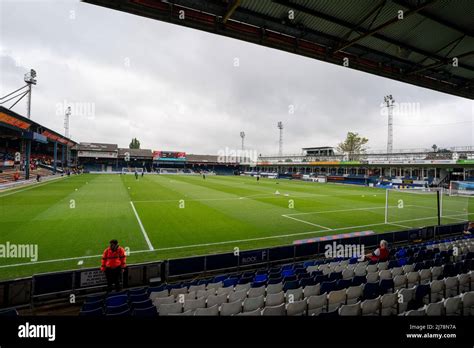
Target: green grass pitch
(168,216)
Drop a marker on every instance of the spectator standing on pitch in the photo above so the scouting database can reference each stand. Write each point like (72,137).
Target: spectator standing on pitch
(113,264)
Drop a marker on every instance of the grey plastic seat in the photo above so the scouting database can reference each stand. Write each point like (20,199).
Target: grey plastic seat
(385,274)
(381,266)
(372,277)
(350,310)
(296,308)
(274,288)
(372,268)
(468,303)
(178,291)
(220,291)
(275,299)
(194,304)
(256,312)
(396,271)
(370,307)
(159,294)
(238,295)
(400,281)
(209,311)
(452,305)
(434,309)
(413,278)
(205,293)
(317,304)
(162,300)
(464,282)
(353,293)
(405,296)
(336,299)
(294,295)
(216,300)
(425,276)
(253,303)
(437,290)
(231,308)
(347,273)
(311,290)
(170,308)
(256,292)
(196,288)
(214,285)
(389,304)
(274,310)
(451,286)
(240,287)
(416,313)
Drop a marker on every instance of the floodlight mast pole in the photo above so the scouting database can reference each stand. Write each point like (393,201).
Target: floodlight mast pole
(389,102)
(242,135)
(280,144)
(66,121)
(30,79)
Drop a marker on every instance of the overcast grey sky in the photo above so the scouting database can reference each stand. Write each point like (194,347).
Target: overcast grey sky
(180,89)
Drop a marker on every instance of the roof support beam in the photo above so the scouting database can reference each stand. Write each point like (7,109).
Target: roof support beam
(385,25)
(231,9)
(437,19)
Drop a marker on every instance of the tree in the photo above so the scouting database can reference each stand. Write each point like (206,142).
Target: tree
(434,147)
(135,144)
(353,146)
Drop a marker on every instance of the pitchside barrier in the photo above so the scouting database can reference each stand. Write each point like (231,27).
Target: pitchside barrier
(61,285)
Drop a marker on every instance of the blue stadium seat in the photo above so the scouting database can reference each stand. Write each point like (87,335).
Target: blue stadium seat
(220,278)
(98,312)
(139,291)
(138,297)
(371,291)
(116,309)
(343,284)
(287,272)
(386,285)
(230,282)
(89,306)
(358,280)
(307,281)
(9,313)
(274,281)
(260,278)
(335,275)
(258,284)
(145,312)
(327,286)
(294,284)
(116,300)
(141,304)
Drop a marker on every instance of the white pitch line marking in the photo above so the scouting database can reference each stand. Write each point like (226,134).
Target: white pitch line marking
(150,246)
(306,222)
(31,186)
(394,224)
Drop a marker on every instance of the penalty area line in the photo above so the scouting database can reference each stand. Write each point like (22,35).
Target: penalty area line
(150,246)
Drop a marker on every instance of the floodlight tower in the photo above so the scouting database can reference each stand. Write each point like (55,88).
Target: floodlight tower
(30,79)
(389,103)
(242,135)
(66,121)
(280,144)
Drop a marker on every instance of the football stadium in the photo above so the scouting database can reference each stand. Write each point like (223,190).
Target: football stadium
(332,227)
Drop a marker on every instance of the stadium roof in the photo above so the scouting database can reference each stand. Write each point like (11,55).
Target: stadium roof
(418,49)
(12,120)
(142,153)
(97,147)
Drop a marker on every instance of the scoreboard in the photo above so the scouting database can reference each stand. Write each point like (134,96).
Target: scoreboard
(169,156)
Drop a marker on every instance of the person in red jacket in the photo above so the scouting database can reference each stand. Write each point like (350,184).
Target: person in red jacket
(382,253)
(113,264)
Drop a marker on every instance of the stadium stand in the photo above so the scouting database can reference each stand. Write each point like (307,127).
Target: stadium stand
(433,278)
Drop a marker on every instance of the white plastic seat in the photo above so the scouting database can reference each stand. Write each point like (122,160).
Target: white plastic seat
(385,274)
(214,285)
(372,268)
(396,271)
(159,294)
(468,303)
(452,305)
(437,290)
(463,281)
(216,300)
(400,281)
(240,287)
(196,288)
(413,278)
(451,286)
(178,291)
(405,296)
(381,266)
(205,293)
(347,273)
(221,291)
(425,276)
(372,277)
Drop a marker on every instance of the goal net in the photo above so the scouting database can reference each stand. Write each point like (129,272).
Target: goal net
(411,207)
(461,188)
